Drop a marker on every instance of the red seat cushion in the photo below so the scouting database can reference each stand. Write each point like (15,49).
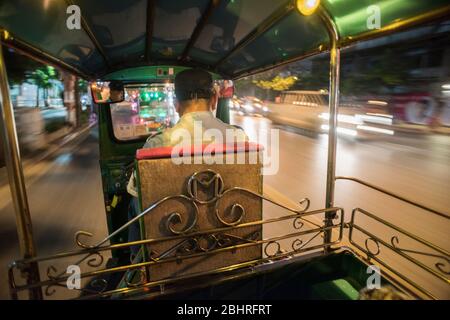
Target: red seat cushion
(195,150)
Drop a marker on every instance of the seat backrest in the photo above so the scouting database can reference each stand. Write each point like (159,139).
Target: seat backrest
(202,198)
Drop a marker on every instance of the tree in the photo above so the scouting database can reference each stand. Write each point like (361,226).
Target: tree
(276,84)
(80,88)
(392,69)
(42,78)
(82,85)
(379,73)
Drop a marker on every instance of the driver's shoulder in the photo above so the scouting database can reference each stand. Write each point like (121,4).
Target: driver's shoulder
(155,140)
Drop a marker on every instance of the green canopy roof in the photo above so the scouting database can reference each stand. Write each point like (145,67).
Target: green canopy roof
(227,37)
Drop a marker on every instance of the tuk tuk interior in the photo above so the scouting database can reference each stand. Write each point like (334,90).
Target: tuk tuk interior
(170,36)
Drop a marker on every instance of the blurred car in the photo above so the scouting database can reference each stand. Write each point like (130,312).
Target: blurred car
(236,104)
(253,106)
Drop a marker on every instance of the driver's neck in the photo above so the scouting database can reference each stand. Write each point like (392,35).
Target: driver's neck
(195,107)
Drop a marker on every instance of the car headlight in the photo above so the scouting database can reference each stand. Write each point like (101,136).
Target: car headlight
(249,108)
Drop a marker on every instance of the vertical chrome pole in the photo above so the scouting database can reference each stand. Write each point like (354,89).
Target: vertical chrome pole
(16,178)
(333,109)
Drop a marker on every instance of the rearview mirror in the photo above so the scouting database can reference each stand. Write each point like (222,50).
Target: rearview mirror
(107,92)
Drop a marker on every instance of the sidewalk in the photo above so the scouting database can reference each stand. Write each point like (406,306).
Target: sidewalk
(31,164)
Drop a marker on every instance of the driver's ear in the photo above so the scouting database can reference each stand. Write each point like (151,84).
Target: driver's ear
(177,107)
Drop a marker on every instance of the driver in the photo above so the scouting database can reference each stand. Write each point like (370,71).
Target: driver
(195,98)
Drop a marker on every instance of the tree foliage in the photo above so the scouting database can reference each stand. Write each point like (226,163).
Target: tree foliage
(82,85)
(379,71)
(277,84)
(42,78)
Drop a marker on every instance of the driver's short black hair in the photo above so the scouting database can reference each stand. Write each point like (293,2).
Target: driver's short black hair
(193,84)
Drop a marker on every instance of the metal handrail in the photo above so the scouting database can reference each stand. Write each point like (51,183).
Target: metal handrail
(394,195)
(95,253)
(439,270)
(439,253)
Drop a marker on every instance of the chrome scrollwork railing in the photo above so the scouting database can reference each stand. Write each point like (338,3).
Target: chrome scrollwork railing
(371,244)
(426,256)
(190,242)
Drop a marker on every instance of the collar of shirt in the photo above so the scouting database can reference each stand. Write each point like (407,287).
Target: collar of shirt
(197,115)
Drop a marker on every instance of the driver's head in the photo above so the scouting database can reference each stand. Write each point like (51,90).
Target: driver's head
(116,91)
(194,91)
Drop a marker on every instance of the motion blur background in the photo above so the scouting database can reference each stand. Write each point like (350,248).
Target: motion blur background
(394,131)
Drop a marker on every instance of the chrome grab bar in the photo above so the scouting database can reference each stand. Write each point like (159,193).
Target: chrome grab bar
(394,195)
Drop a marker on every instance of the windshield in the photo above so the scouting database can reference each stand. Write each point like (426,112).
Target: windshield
(147,109)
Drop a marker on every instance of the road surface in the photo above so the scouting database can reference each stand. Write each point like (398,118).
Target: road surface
(65,196)
(65,190)
(415,167)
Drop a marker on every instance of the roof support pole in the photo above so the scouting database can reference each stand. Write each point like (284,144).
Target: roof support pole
(16,179)
(333,110)
(151,6)
(213,4)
